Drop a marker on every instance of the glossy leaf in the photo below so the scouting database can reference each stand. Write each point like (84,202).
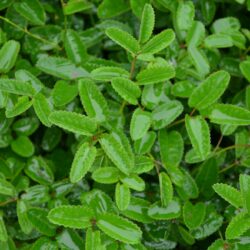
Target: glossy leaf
(93,240)
(122,196)
(74,6)
(106,175)
(134,182)
(23,146)
(6,188)
(218,41)
(144,145)
(166,189)
(23,219)
(107,73)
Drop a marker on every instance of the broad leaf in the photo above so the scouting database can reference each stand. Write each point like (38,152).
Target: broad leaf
(166,189)
(122,196)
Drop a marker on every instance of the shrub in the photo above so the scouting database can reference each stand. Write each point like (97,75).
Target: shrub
(124,124)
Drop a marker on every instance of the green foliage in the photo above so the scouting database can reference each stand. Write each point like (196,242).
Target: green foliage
(124,124)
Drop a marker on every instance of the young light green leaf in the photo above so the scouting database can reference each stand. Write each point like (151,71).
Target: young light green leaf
(122,196)
(171,147)
(124,39)
(193,215)
(244,68)
(166,113)
(106,175)
(155,74)
(74,6)
(23,146)
(6,188)
(119,228)
(16,87)
(166,189)
(228,193)
(237,226)
(210,90)
(44,243)
(127,89)
(195,34)
(159,42)
(185,15)
(107,73)
(134,182)
(8,56)
(143,164)
(183,89)
(199,135)
(43,108)
(147,23)
(82,162)
(186,236)
(92,100)
(93,240)
(61,68)
(22,215)
(218,41)
(71,216)
(140,123)
(117,154)
(73,122)
(75,48)
(32,10)
(229,114)
(144,145)
(3,231)
(245,191)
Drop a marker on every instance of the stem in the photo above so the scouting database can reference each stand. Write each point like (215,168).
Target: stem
(232,147)
(192,112)
(7,202)
(218,143)
(229,167)
(176,123)
(64,16)
(29,33)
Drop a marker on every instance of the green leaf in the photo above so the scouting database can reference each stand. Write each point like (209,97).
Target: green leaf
(228,193)
(238,226)
(199,135)
(166,189)
(127,89)
(107,73)
(106,175)
(16,87)
(159,42)
(143,164)
(71,216)
(23,146)
(144,145)
(210,90)
(61,68)
(218,41)
(185,14)
(22,215)
(217,245)
(109,8)
(140,123)
(44,243)
(75,48)
(74,6)
(119,228)
(6,188)
(229,114)
(172,211)
(183,89)
(186,236)
(147,23)
(193,215)
(43,108)
(247,97)
(166,113)
(245,191)
(73,122)
(244,68)
(38,218)
(124,39)
(171,147)
(122,196)
(93,240)
(32,10)
(82,162)
(117,154)
(196,34)
(3,231)
(8,55)
(134,182)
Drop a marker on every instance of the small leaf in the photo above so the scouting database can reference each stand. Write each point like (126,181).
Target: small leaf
(107,73)
(228,193)
(23,146)
(143,164)
(144,145)
(124,39)
(44,243)
(122,196)
(92,100)
(32,10)
(244,68)
(172,211)
(159,42)
(106,175)
(166,113)
(210,90)
(22,215)
(199,135)
(183,89)
(127,89)
(71,216)
(196,34)
(82,162)
(229,114)
(61,68)
(93,240)
(185,14)
(218,41)
(166,189)
(16,87)
(8,56)
(119,228)
(155,74)
(140,123)
(245,191)
(43,108)
(171,147)
(193,215)
(134,182)
(3,231)
(75,6)
(147,23)
(6,188)
(73,122)
(237,226)
(116,153)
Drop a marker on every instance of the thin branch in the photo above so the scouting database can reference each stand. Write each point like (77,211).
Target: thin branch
(7,202)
